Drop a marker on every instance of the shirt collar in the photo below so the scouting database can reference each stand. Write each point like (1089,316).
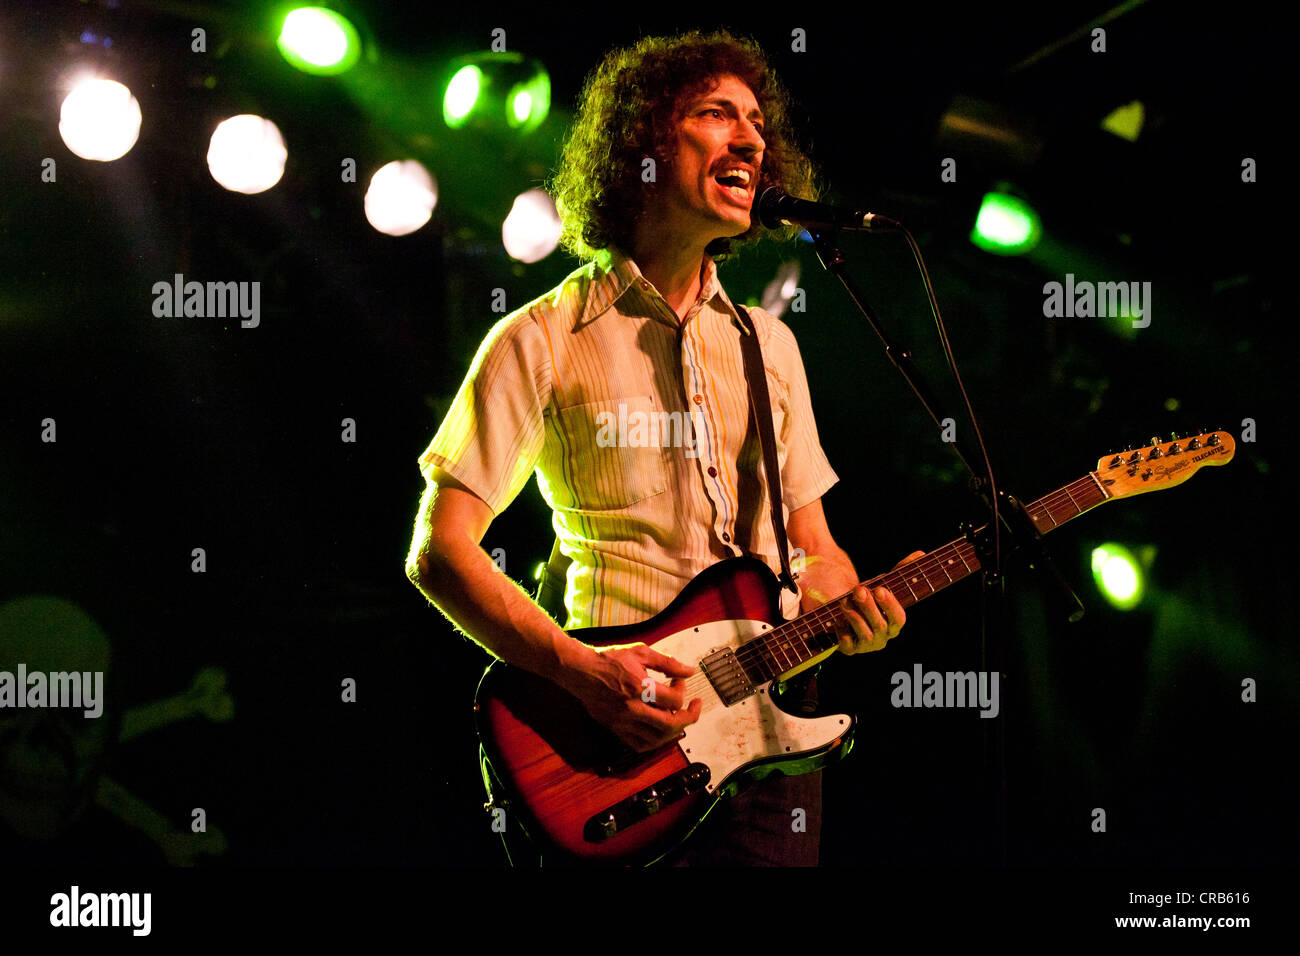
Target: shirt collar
(613,273)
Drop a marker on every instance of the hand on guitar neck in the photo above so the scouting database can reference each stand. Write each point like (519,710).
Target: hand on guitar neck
(869,619)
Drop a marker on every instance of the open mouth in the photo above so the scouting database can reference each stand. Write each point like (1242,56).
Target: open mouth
(734,184)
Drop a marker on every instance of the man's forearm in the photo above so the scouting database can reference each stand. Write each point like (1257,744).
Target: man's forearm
(464,583)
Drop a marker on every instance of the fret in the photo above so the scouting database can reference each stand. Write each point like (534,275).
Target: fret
(816,629)
(770,666)
(786,649)
(922,577)
(798,641)
(806,651)
(1097,481)
(777,654)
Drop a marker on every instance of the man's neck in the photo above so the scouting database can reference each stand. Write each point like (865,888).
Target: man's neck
(673,266)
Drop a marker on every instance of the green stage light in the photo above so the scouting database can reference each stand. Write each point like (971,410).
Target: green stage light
(521,106)
(530,102)
(496,92)
(319,41)
(1006,225)
(1118,575)
(462,94)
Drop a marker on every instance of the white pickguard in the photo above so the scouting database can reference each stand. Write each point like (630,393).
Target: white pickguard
(728,738)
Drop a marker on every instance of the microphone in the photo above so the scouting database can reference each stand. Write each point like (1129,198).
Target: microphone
(777,208)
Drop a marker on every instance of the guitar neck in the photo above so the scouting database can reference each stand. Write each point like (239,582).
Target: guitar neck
(798,643)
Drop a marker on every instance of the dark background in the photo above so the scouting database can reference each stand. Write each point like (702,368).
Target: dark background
(183,433)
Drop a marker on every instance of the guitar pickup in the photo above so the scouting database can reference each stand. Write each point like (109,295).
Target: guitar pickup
(646,803)
(727,676)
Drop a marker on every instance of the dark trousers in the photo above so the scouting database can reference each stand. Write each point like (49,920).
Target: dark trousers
(761,826)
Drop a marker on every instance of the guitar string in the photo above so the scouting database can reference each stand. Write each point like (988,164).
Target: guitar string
(806,627)
(811,625)
(814,619)
(699,681)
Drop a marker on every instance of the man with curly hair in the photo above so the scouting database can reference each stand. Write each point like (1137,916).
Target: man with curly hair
(672,141)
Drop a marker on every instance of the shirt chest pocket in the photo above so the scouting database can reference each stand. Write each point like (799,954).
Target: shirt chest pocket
(614,452)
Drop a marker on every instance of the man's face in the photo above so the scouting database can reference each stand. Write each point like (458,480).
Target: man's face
(715,170)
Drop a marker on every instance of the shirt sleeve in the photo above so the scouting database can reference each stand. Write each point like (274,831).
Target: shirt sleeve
(806,474)
(494,430)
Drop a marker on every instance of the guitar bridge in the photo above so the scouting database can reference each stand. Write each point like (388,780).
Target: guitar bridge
(727,676)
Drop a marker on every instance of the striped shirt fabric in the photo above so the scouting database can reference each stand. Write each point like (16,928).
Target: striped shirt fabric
(638,428)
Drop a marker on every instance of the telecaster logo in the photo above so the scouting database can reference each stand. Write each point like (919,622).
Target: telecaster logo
(1217,451)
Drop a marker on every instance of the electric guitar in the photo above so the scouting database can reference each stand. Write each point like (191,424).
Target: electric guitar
(577,790)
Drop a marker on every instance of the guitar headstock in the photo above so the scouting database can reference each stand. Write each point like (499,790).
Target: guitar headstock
(1163,464)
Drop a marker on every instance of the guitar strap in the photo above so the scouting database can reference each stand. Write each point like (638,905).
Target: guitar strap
(761,407)
(554,577)
(553,582)
(803,687)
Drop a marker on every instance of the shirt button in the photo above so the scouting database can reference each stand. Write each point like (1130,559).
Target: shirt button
(726,537)
(645,284)
(713,472)
(699,399)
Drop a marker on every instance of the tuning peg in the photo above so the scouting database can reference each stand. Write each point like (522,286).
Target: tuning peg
(1194,444)
(1214,440)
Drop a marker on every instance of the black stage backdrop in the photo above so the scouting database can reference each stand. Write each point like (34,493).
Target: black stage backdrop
(176,434)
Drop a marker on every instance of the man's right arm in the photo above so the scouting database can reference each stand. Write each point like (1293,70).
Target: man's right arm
(450,568)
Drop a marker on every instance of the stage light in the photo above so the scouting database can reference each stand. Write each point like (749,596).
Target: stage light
(99,120)
(319,41)
(530,102)
(1118,575)
(532,230)
(1006,225)
(462,94)
(497,92)
(246,154)
(1126,121)
(400,198)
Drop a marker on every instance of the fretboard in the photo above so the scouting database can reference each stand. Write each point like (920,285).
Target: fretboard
(788,645)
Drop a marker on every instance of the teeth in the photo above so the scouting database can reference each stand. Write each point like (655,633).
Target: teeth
(741,174)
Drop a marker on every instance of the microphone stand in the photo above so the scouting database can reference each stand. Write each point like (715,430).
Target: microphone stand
(1007,516)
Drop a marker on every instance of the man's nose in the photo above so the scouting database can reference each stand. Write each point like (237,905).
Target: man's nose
(748,140)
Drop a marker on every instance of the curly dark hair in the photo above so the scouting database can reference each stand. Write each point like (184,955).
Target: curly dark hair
(629,109)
